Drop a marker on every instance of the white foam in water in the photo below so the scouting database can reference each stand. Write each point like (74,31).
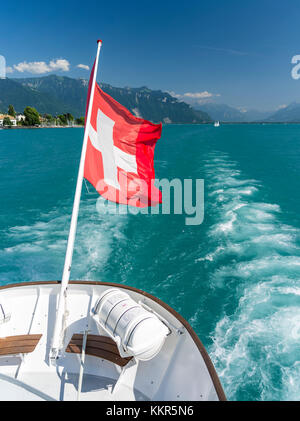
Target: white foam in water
(38,250)
(255,258)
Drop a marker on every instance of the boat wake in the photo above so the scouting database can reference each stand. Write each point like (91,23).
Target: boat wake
(254,260)
(37,251)
(235,277)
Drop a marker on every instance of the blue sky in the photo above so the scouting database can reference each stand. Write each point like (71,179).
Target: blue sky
(227,51)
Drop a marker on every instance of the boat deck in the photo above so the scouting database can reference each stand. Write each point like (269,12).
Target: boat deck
(181,371)
(56,387)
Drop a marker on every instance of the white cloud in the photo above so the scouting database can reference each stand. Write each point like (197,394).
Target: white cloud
(172,93)
(198,95)
(280,107)
(33,67)
(9,69)
(83,66)
(194,97)
(60,64)
(40,67)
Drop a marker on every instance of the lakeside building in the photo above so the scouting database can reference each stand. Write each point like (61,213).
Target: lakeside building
(20,117)
(12,119)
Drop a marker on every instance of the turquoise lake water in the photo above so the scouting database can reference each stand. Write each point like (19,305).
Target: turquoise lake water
(235,278)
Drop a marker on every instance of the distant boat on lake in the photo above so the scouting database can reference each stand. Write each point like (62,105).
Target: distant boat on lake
(217,124)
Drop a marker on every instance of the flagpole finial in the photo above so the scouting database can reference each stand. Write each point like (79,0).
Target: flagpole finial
(99,40)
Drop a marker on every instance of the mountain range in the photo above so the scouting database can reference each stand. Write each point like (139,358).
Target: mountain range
(223,112)
(287,114)
(60,94)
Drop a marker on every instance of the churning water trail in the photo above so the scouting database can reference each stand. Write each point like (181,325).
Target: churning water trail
(37,251)
(254,258)
(235,277)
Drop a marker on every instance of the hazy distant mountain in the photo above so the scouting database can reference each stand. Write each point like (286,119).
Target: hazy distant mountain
(255,115)
(223,112)
(291,113)
(60,94)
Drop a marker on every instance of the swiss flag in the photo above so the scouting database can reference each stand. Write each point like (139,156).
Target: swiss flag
(119,159)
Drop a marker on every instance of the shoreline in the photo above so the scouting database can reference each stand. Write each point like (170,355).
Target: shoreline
(41,127)
(224,123)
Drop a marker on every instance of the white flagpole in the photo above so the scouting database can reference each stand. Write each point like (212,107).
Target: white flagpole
(59,322)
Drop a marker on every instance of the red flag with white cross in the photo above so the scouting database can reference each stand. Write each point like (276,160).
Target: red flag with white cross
(119,159)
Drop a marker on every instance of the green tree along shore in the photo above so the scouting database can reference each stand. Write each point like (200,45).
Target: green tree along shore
(11,111)
(32,118)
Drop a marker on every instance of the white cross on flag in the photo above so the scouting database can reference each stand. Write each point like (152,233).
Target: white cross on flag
(119,159)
